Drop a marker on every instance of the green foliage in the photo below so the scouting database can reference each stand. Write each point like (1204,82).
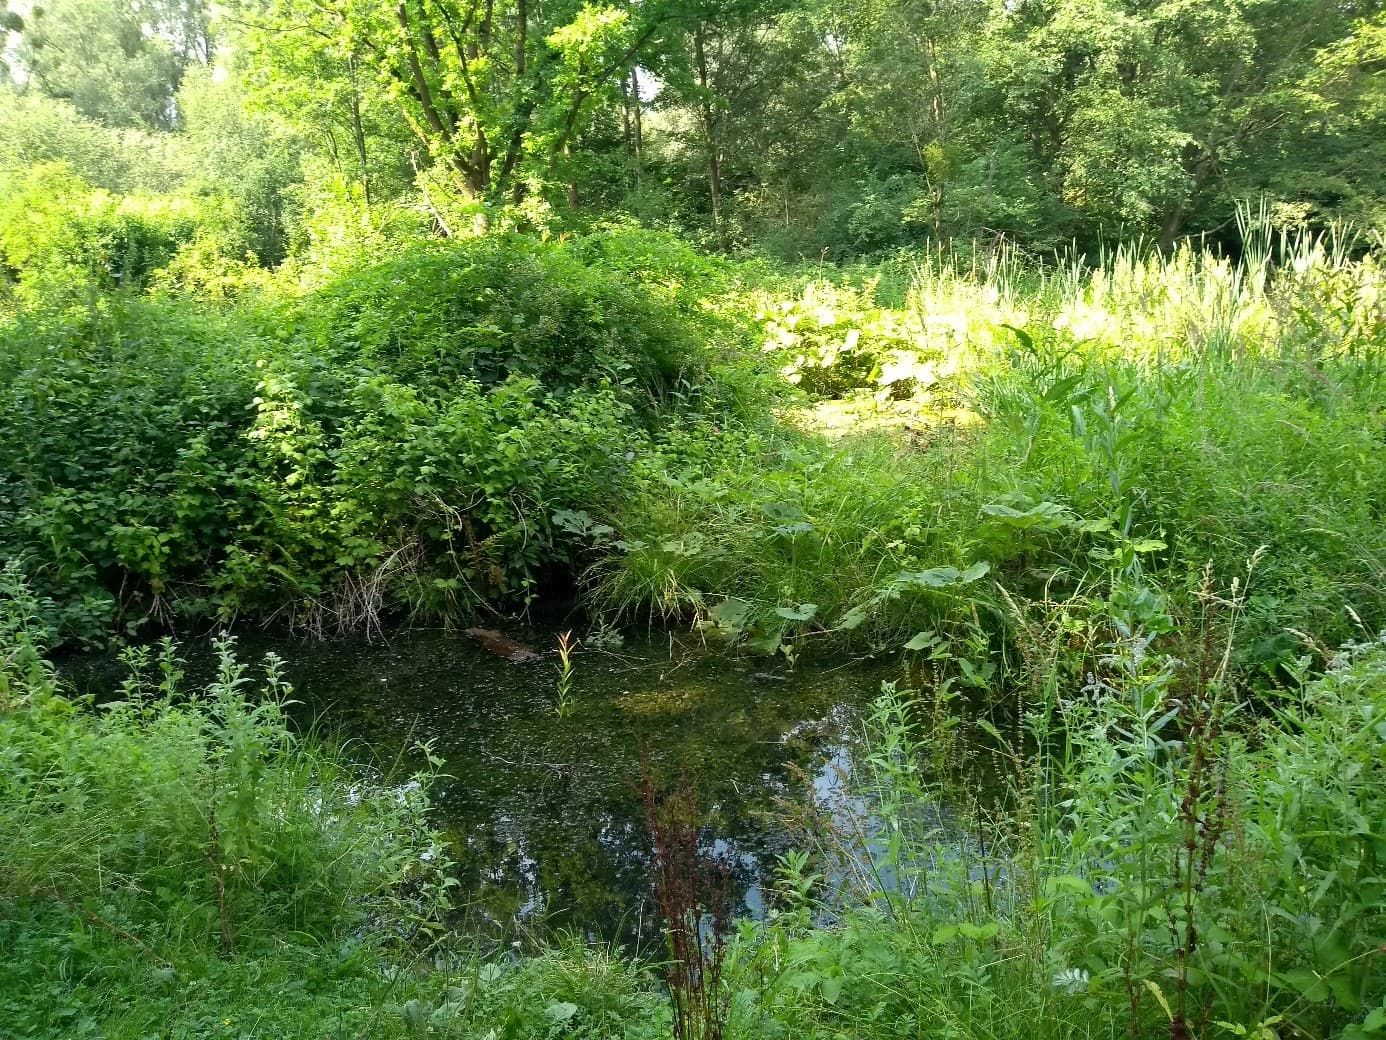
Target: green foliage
(180,861)
(399,439)
(36,131)
(60,237)
(1015,473)
(1154,870)
(490,308)
(852,129)
(1152,414)
(117,63)
(834,339)
(170,799)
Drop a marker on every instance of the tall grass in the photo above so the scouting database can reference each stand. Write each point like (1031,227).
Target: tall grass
(1165,410)
(1166,864)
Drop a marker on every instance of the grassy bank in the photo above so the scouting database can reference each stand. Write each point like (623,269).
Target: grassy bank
(177,863)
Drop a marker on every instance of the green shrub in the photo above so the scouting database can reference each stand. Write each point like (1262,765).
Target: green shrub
(396,441)
(59,236)
(489,308)
(1163,865)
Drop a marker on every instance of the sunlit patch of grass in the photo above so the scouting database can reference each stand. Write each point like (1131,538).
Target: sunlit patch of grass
(1179,408)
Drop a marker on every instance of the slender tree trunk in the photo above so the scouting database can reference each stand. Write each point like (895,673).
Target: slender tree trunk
(631,125)
(639,122)
(938,112)
(627,132)
(628,126)
(572,184)
(709,127)
(358,132)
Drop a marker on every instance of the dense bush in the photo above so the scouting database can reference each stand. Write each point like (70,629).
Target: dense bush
(400,438)
(490,308)
(62,239)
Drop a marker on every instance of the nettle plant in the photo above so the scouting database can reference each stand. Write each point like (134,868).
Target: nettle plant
(1159,862)
(199,812)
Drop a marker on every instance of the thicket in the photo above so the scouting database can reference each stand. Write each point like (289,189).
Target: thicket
(412,435)
(782,459)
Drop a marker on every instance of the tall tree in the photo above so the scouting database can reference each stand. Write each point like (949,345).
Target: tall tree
(116,61)
(737,88)
(915,80)
(1144,114)
(496,92)
(10,22)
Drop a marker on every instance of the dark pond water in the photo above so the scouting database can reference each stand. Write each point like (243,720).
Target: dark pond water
(544,811)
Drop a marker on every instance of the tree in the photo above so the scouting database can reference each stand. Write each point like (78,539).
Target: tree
(496,92)
(1145,115)
(116,61)
(10,22)
(916,77)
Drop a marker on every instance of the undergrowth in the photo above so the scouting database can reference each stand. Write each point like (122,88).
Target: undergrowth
(179,863)
(1163,863)
(1018,433)
(793,466)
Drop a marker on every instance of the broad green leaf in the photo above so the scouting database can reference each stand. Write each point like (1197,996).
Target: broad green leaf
(923,640)
(731,615)
(561,1011)
(853,619)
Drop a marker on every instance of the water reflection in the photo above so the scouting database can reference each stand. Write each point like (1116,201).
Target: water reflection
(543,812)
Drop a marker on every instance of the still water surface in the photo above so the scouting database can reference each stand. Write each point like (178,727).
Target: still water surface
(544,811)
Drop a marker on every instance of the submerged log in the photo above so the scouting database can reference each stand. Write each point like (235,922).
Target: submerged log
(503,646)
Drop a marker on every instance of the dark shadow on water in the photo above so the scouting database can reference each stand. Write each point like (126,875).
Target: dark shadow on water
(547,826)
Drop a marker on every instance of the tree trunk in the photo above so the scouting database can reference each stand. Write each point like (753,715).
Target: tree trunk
(572,184)
(358,132)
(639,129)
(709,127)
(630,124)
(1172,225)
(939,114)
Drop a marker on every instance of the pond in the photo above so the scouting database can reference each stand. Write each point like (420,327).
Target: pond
(544,811)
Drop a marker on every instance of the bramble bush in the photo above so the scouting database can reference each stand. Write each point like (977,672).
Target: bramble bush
(397,439)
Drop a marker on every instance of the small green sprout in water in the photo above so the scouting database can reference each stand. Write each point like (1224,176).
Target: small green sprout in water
(564,703)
